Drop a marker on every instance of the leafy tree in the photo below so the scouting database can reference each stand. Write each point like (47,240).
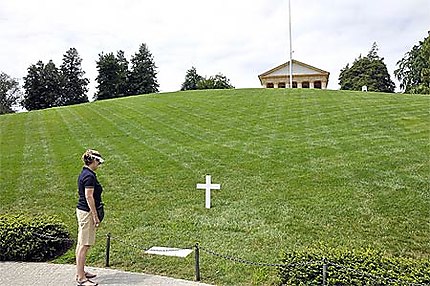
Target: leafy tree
(143,74)
(218,81)
(414,69)
(74,85)
(370,71)
(192,79)
(9,93)
(42,86)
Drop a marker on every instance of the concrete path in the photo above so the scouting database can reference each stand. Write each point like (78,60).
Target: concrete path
(45,274)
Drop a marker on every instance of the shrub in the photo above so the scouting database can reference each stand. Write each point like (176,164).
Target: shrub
(352,267)
(31,238)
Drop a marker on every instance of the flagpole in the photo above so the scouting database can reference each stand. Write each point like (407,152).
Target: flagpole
(291,46)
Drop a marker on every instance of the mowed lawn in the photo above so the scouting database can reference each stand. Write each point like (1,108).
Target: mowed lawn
(297,168)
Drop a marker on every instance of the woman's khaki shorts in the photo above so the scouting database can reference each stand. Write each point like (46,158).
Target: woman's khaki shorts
(86,228)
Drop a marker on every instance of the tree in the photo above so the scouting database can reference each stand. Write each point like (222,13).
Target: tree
(218,81)
(52,82)
(42,86)
(123,75)
(9,93)
(33,87)
(108,68)
(221,82)
(143,74)
(113,78)
(192,79)
(414,68)
(73,83)
(370,71)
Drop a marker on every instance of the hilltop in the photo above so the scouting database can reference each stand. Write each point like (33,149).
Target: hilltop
(297,168)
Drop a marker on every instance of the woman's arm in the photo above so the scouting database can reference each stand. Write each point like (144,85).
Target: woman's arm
(89,195)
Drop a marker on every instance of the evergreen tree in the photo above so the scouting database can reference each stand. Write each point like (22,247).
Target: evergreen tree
(113,78)
(52,82)
(108,68)
(74,85)
(370,71)
(9,93)
(414,69)
(192,78)
(143,74)
(123,75)
(42,86)
(222,82)
(33,88)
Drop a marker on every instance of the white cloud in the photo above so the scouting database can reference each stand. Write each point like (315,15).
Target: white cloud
(240,39)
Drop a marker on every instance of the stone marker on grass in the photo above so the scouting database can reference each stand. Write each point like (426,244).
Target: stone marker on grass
(169,251)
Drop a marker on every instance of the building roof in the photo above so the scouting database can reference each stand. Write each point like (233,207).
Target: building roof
(299,68)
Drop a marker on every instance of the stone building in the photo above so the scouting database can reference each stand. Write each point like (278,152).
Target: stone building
(304,76)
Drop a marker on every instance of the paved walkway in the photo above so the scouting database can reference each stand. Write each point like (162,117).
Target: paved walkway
(45,274)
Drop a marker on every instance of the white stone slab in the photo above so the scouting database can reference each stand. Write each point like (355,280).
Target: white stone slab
(169,251)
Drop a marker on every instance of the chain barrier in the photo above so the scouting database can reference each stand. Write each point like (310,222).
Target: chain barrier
(243,261)
(292,265)
(263,264)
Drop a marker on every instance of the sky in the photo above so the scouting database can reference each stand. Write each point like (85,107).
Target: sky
(238,38)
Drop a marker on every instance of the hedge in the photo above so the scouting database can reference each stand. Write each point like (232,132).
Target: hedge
(352,267)
(32,238)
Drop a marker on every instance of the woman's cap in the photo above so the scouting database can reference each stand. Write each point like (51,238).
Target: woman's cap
(91,155)
(99,158)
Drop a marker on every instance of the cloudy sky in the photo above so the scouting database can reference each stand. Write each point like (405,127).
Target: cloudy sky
(238,38)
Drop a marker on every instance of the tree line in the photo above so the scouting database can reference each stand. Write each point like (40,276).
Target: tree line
(48,86)
(413,71)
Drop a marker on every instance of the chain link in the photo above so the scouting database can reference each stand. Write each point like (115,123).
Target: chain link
(240,260)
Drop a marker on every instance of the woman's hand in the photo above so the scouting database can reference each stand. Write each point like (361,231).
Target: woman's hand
(96,220)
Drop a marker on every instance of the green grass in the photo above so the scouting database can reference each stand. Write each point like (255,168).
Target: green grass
(297,168)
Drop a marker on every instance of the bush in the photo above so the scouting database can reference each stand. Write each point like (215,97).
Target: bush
(28,238)
(352,267)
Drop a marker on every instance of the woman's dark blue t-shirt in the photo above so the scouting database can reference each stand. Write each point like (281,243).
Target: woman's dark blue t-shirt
(88,178)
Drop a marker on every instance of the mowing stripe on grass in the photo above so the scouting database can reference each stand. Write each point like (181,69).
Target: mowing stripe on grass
(298,168)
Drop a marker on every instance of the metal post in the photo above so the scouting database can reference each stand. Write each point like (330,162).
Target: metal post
(325,273)
(197,258)
(107,249)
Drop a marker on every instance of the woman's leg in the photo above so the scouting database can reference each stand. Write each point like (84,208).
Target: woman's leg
(81,254)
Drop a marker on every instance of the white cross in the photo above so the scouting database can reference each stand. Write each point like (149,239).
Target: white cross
(208,187)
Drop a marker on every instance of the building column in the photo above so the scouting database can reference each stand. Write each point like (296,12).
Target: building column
(275,85)
(299,84)
(311,84)
(323,85)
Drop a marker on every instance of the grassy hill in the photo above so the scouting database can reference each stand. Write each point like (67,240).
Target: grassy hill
(297,168)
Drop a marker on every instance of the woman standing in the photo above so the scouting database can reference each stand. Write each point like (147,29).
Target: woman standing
(90,201)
